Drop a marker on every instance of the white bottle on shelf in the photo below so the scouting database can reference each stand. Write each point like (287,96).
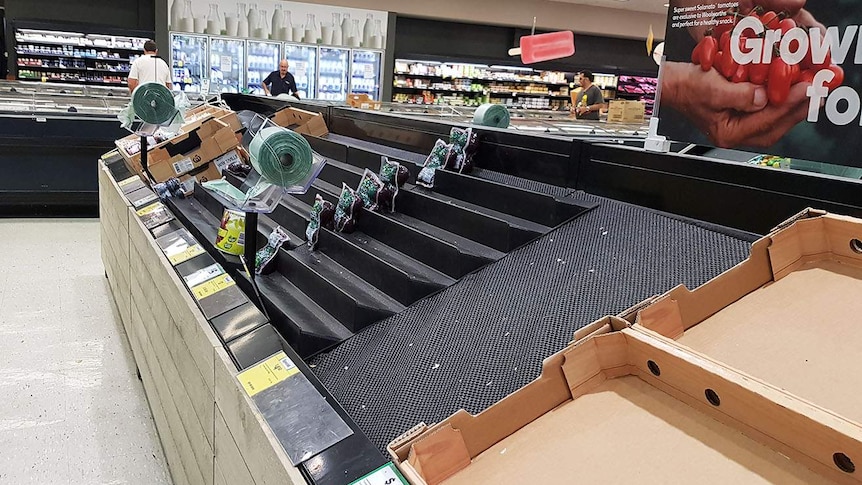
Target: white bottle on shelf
(366,30)
(346,25)
(277,21)
(253,18)
(336,29)
(241,20)
(286,31)
(176,14)
(186,23)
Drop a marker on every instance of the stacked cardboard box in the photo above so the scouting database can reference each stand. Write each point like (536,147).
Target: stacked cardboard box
(622,111)
(301,121)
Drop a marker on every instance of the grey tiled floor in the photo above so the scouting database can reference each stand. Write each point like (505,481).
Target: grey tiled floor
(72,410)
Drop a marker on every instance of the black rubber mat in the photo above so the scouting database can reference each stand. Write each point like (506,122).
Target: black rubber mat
(484,337)
(521,183)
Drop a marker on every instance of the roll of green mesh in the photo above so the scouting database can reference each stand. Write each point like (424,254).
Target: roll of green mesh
(153,103)
(281,156)
(495,115)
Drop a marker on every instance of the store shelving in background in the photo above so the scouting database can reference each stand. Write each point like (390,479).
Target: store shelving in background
(461,84)
(638,88)
(57,56)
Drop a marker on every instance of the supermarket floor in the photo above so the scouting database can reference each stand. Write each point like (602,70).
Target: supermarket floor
(72,410)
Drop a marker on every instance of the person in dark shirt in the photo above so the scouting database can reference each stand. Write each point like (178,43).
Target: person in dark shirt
(590,99)
(282,82)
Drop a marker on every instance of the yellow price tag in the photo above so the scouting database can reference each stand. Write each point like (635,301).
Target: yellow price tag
(128,181)
(150,209)
(267,373)
(212,286)
(186,255)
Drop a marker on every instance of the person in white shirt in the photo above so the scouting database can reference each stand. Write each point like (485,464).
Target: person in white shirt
(149,68)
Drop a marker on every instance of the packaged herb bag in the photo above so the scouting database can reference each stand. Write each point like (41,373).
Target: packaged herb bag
(369,190)
(322,215)
(436,160)
(347,210)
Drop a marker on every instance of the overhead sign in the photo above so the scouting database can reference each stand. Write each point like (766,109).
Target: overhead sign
(782,80)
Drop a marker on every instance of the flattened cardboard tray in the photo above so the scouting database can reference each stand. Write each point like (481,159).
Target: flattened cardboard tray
(684,414)
(787,315)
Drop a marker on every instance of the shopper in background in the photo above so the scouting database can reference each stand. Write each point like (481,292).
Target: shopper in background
(149,68)
(589,98)
(282,82)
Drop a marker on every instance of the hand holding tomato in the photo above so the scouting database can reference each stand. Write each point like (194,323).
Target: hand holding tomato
(731,114)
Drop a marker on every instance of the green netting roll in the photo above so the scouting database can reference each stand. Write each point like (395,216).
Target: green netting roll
(281,156)
(154,103)
(495,115)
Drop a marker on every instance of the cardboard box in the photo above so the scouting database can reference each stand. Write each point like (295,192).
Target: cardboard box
(222,114)
(211,171)
(623,111)
(749,376)
(191,150)
(363,101)
(301,121)
(786,315)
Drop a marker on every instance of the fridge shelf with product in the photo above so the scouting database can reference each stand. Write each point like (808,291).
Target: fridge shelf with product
(227,69)
(638,88)
(263,58)
(188,61)
(303,66)
(365,72)
(75,57)
(333,78)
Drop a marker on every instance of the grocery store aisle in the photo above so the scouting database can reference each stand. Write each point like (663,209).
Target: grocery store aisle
(72,410)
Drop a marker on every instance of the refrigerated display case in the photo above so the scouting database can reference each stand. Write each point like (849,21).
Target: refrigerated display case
(227,65)
(303,66)
(262,59)
(365,72)
(333,78)
(188,61)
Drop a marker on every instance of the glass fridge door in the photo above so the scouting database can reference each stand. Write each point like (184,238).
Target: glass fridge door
(226,65)
(263,58)
(365,73)
(188,62)
(303,66)
(333,81)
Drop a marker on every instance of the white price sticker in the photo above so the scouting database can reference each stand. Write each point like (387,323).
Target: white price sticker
(183,166)
(146,200)
(228,158)
(226,63)
(203,275)
(369,71)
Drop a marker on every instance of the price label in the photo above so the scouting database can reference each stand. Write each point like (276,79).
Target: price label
(181,255)
(183,166)
(212,287)
(369,71)
(388,474)
(226,63)
(266,374)
(201,276)
(223,161)
(150,209)
(129,180)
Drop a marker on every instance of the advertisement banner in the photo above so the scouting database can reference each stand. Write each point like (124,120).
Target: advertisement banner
(776,77)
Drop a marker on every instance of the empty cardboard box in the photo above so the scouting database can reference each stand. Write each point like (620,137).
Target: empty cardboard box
(301,121)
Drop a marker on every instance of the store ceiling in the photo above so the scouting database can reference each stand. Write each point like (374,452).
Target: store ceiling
(651,6)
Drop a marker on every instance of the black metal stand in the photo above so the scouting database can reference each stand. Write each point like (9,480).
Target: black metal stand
(250,257)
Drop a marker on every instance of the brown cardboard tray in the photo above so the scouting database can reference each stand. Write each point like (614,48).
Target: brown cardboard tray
(787,315)
(620,406)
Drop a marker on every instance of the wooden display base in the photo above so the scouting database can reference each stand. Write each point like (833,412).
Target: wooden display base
(210,430)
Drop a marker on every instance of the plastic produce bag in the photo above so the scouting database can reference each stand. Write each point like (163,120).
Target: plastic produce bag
(436,160)
(371,190)
(322,215)
(348,209)
(267,254)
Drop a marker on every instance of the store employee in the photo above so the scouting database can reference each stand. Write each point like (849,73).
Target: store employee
(149,68)
(589,99)
(282,82)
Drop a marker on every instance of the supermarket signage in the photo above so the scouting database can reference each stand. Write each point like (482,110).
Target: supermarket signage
(781,82)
